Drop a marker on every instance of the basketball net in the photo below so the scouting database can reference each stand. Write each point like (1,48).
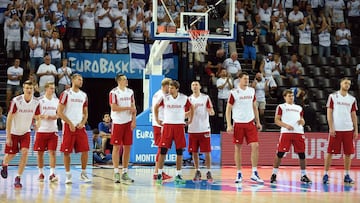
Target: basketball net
(199,40)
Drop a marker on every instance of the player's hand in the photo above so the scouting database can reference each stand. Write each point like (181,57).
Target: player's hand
(132,110)
(189,122)
(80,126)
(8,141)
(301,122)
(332,132)
(259,126)
(229,128)
(289,127)
(72,127)
(159,122)
(133,125)
(356,135)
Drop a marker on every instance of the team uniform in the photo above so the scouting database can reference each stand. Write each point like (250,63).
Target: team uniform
(156,126)
(291,114)
(23,116)
(243,115)
(342,107)
(47,134)
(121,133)
(174,120)
(74,103)
(199,129)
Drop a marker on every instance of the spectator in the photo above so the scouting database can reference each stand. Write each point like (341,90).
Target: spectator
(338,7)
(122,38)
(266,71)
(55,46)
(288,5)
(343,37)
(44,14)
(88,32)
(214,64)
(59,19)
(28,31)
(148,19)
(295,19)
(264,12)
(224,85)
(105,132)
(105,27)
(260,26)
(358,78)
(261,86)
(37,49)
(73,25)
(280,13)
(119,13)
(282,36)
(64,73)
(324,39)
(240,16)
(98,153)
(47,33)
(248,41)
(277,69)
(232,65)
(2,119)
(305,44)
(14,26)
(46,73)
(14,75)
(293,68)
(316,6)
(353,12)
(309,13)
(137,27)
(33,79)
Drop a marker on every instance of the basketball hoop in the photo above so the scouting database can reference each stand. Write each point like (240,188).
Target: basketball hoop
(199,40)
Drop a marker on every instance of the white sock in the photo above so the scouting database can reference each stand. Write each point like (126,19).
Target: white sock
(52,171)
(239,171)
(41,170)
(104,46)
(197,169)
(178,172)
(209,170)
(325,172)
(116,170)
(303,172)
(67,173)
(18,175)
(160,171)
(275,171)
(254,169)
(124,170)
(83,171)
(347,172)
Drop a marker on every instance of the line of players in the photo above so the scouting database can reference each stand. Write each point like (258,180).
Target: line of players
(170,111)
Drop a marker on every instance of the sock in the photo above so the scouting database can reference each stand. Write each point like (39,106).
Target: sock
(178,172)
(41,170)
(239,171)
(303,172)
(275,170)
(160,171)
(116,170)
(254,169)
(18,175)
(67,173)
(197,169)
(209,170)
(104,45)
(83,171)
(325,172)
(124,170)
(52,171)
(347,172)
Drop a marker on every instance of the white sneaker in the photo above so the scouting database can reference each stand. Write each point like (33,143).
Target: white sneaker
(68,179)
(84,178)
(238,178)
(255,177)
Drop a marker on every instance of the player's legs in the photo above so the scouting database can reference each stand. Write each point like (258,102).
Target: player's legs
(40,160)
(67,162)
(126,156)
(23,160)
(237,156)
(157,138)
(116,158)
(5,163)
(254,153)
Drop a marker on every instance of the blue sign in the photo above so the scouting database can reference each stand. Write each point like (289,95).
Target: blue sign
(97,65)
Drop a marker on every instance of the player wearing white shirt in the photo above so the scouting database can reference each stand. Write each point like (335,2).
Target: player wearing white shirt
(175,105)
(47,133)
(199,130)
(73,111)
(46,72)
(289,117)
(242,105)
(123,115)
(19,119)
(343,128)
(157,128)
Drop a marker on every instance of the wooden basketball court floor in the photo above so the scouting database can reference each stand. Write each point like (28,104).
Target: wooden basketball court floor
(144,190)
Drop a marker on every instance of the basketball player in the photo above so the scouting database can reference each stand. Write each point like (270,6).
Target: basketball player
(123,115)
(157,127)
(73,110)
(175,105)
(199,130)
(343,128)
(47,134)
(18,124)
(289,117)
(242,104)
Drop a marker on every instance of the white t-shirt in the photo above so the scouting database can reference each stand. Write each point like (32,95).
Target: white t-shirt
(242,101)
(240,15)
(105,22)
(265,14)
(343,33)
(268,68)
(23,114)
(65,80)
(138,33)
(273,65)
(296,17)
(231,66)
(14,71)
(55,53)
(43,68)
(74,103)
(115,12)
(324,38)
(288,3)
(260,90)
(354,8)
(122,40)
(88,19)
(38,51)
(224,92)
(174,108)
(48,107)
(342,107)
(200,122)
(14,33)
(28,26)
(305,35)
(290,114)
(155,100)
(123,98)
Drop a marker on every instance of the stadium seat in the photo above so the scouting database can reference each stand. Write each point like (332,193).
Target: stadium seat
(332,72)
(349,72)
(317,71)
(297,82)
(283,82)
(311,83)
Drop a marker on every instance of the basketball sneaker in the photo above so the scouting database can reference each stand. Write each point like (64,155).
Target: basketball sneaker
(126,179)
(41,177)
(68,179)
(53,178)
(348,180)
(4,172)
(165,176)
(255,177)
(273,179)
(326,179)
(179,179)
(238,178)
(305,179)
(209,177)
(117,177)
(84,178)
(159,179)
(17,183)
(197,176)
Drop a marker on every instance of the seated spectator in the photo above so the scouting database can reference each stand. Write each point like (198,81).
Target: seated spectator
(261,86)
(305,44)
(98,153)
(309,13)
(2,119)
(232,65)
(277,69)
(324,39)
(14,76)
(343,38)
(88,32)
(280,13)
(46,73)
(64,73)
(105,132)
(224,85)
(295,19)
(282,36)
(293,68)
(214,64)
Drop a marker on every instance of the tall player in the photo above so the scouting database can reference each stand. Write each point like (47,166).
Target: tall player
(73,110)
(47,134)
(18,124)
(175,105)
(289,117)
(123,115)
(343,128)
(157,128)
(242,104)
(199,130)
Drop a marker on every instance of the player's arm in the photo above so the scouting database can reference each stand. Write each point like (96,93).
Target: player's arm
(280,123)
(9,119)
(37,122)
(355,124)
(228,116)
(156,113)
(60,113)
(133,115)
(191,113)
(256,113)
(329,115)
(210,107)
(116,107)
(84,119)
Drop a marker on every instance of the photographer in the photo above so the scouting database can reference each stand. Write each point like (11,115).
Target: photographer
(98,153)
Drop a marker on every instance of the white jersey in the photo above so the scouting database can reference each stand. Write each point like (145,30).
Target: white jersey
(14,71)
(123,98)
(74,103)
(200,122)
(342,107)
(155,100)
(242,101)
(290,114)
(23,114)
(48,107)
(43,68)
(174,108)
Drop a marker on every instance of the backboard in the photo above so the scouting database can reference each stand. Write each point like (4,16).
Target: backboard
(171,21)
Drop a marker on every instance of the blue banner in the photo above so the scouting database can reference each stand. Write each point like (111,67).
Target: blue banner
(97,65)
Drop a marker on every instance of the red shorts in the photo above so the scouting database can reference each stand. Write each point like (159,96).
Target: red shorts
(173,132)
(121,134)
(199,140)
(45,141)
(288,139)
(247,130)
(157,135)
(18,142)
(77,140)
(344,138)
